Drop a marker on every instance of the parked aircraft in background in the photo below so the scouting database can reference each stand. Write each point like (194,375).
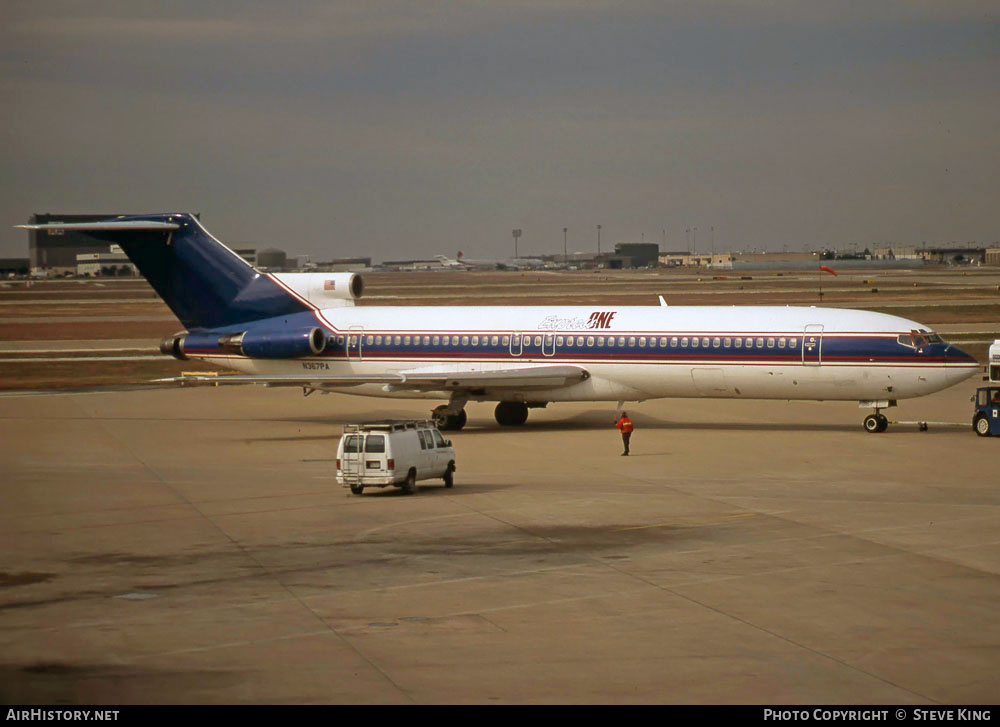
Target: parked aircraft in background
(303,329)
(464,263)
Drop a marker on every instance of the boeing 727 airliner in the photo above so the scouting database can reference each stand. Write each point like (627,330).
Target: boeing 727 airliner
(303,329)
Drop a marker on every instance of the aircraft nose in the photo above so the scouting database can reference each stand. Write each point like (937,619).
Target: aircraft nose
(960,364)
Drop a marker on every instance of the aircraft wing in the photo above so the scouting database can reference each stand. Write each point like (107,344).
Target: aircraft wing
(530,377)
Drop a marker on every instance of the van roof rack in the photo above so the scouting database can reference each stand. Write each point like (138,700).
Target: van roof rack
(389,425)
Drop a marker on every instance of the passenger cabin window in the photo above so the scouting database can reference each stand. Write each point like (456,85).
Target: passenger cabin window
(694,343)
(716,342)
(673,342)
(738,342)
(727,342)
(684,342)
(770,343)
(600,341)
(437,340)
(375,443)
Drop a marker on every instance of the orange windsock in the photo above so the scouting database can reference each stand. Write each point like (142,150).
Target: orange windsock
(827,269)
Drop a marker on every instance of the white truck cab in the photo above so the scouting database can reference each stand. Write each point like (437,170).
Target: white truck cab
(399,453)
(993,365)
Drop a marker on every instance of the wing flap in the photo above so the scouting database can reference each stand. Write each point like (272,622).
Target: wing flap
(535,377)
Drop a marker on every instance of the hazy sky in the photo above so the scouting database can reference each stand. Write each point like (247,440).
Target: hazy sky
(413,128)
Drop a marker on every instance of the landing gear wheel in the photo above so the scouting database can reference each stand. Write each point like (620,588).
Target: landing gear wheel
(982,426)
(511,413)
(449,422)
(875,423)
(410,486)
(449,475)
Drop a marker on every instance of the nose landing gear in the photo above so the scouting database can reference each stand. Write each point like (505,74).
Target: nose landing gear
(877,421)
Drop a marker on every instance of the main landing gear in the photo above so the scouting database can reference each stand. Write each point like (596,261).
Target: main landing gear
(511,413)
(507,413)
(449,421)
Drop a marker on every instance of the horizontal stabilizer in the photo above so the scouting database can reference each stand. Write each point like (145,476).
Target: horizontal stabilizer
(107,225)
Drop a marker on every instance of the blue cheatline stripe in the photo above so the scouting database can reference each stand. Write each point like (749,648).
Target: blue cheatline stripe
(852,350)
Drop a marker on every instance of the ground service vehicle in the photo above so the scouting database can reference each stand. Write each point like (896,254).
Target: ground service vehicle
(986,420)
(399,453)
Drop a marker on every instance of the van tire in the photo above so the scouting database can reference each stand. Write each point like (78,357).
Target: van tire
(357,489)
(410,485)
(449,475)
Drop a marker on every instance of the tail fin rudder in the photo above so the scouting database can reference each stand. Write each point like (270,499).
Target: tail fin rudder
(204,283)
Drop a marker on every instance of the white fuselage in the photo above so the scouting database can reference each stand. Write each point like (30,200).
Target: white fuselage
(634,353)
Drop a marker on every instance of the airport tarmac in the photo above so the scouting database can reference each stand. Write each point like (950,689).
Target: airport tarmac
(192,546)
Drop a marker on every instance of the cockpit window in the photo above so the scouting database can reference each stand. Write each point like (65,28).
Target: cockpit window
(918,339)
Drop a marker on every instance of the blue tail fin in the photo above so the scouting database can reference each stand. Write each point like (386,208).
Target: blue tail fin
(204,283)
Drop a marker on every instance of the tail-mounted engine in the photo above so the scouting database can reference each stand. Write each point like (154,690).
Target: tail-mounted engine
(325,290)
(275,344)
(253,344)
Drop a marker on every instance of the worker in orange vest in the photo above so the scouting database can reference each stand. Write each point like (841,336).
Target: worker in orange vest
(625,426)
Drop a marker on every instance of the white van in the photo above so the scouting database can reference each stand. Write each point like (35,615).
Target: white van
(397,453)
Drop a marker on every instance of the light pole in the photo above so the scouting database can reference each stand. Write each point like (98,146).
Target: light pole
(565,255)
(517,234)
(598,241)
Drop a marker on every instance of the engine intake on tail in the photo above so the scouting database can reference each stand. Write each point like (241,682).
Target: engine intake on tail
(325,290)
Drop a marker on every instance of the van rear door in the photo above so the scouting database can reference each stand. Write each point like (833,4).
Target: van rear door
(375,455)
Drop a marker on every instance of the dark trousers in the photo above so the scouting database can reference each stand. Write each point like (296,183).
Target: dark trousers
(625,437)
